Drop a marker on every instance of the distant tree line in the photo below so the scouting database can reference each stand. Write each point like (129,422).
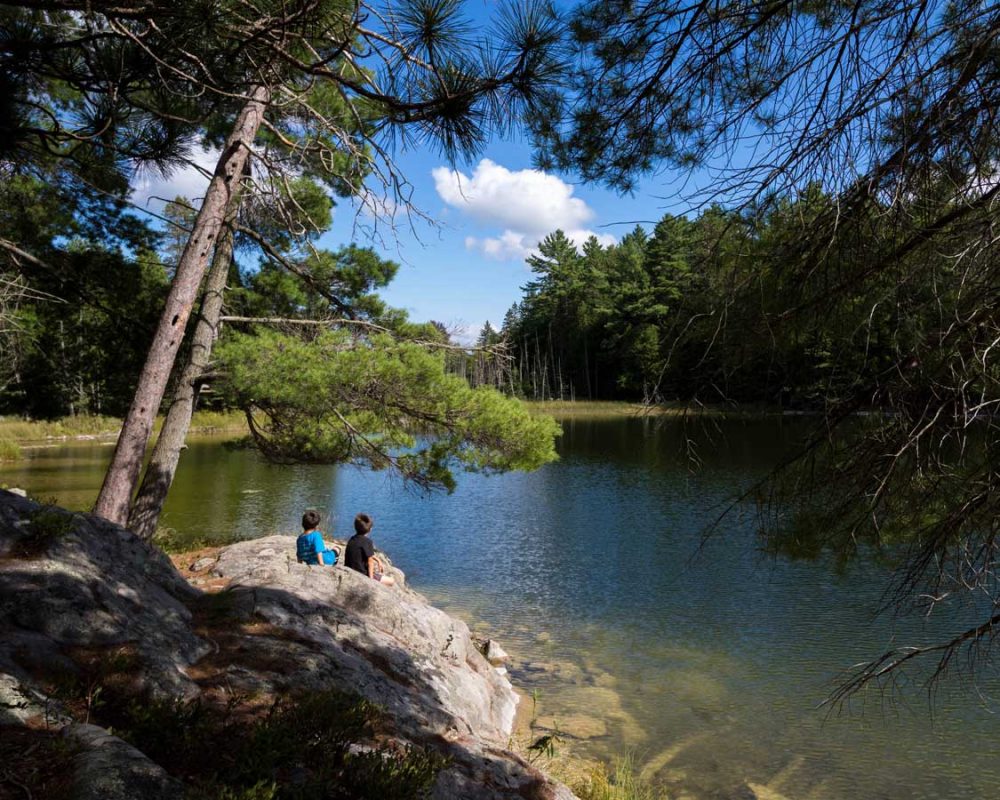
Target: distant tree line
(700,310)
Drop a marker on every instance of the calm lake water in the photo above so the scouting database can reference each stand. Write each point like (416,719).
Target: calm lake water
(707,662)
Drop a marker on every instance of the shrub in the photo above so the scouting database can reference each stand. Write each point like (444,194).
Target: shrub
(46,526)
(297,749)
(9,450)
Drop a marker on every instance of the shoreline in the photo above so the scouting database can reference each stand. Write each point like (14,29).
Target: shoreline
(312,675)
(17,434)
(562,763)
(37,433)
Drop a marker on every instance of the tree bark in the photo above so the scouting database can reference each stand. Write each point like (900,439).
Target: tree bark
(126,463)
(162,467)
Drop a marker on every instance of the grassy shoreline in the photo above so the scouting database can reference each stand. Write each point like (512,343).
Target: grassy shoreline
(17,432)
(577,409)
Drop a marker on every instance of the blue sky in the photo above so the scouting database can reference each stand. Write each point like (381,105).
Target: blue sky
(468,266)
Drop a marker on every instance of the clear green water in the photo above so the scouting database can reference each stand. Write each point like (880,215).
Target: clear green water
(708,662)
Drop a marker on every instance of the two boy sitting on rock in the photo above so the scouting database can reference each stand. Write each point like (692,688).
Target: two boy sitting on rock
(360,552)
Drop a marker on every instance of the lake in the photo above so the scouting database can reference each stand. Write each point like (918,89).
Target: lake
(706,659)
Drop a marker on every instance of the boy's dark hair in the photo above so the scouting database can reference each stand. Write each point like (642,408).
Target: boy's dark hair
(310,520)
(363,523)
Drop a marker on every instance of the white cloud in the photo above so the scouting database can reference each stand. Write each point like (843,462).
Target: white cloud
(527,205)
(152,191)
(511,245)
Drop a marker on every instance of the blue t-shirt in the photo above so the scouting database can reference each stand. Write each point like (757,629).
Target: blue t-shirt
(311,549)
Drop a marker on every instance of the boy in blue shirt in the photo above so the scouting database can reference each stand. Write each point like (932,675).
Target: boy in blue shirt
(310,547)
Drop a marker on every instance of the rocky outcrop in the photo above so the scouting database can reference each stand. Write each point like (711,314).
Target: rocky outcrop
(386,643)
(72,582)
(106,768)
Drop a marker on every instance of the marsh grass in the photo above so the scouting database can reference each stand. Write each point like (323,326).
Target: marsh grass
(602,409)
(9,450)
(18,429)
(620,782)
(208,421)
(15,431)
(584,408)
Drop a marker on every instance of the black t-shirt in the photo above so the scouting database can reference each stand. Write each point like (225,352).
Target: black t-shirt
(359,550)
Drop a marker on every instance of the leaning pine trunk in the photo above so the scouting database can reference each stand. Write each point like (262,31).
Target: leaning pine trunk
(123,472)
(162,466)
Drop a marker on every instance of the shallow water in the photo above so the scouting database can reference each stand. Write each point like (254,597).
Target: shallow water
(708,661)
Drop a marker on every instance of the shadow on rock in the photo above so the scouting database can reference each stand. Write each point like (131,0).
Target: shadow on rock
(279,628)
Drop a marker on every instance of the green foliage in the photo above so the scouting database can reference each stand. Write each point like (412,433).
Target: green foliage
(229,753)
(699,312)
(76,340)
(380,402)
(51,523)
(378,775)
(327,283)
(630,321)
(621,783)
(9,450)
(46,526)
(91,97)
(263,790)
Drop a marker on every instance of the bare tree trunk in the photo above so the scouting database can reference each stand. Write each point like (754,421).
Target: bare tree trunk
(123,472)
(162,465)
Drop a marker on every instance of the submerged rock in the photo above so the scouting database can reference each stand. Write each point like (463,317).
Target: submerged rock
(576,726)
(73,582)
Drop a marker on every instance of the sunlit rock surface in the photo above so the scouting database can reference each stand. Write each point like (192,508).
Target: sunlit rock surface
(72,581)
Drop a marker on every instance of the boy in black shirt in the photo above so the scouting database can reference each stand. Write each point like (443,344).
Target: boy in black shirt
(360,552)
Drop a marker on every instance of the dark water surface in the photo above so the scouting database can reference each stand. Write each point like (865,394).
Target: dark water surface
(707,662)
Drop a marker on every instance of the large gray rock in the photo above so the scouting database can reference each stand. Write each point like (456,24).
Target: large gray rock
(392,647)
(21,703)
(70,581)
(73,581)
(388,643)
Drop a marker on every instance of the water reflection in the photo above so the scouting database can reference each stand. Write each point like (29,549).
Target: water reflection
(709,659)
